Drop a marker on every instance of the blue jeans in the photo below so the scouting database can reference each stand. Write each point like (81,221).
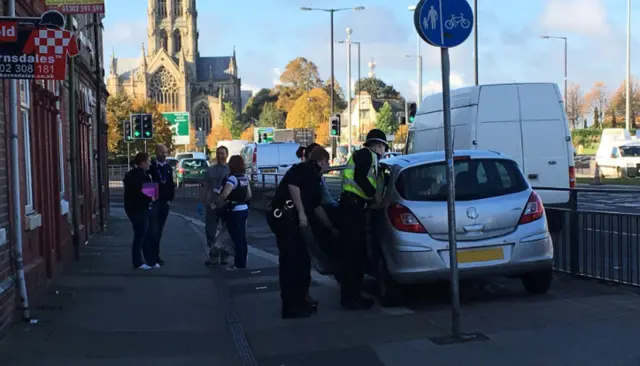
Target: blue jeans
(141,238)
(237,227)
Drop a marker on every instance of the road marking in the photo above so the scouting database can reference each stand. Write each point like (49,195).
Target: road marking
(325,280)
(611,232)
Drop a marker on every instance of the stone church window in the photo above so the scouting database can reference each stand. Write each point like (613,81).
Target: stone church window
(163,88)
(177,41)
(203,117)
(162,8)
(163,40)
(177,7)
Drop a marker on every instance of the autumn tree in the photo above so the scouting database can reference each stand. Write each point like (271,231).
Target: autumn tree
(617,107)
(386,121)
(377,88)
(119,109)
(255,105)
(322,134)
(301,74)
(193,139)
(286,97)
(247,134)
(218,133)
(310,110)
(231,121)
(271,117)
(597,100)
(576,105)
(339,100)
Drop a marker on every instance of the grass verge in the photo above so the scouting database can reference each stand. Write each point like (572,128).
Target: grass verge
(617,181)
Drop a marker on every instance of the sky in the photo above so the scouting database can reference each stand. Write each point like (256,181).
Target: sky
(268,34)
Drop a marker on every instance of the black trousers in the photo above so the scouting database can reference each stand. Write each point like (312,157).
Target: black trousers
(353,246)
(295,263)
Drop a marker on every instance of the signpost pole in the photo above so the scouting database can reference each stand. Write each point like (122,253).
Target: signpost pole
(446,24)
(99,122)
(451,205)
(16,223)
(128,155)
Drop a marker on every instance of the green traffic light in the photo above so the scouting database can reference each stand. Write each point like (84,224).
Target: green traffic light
(136,134)
(411,119)
(147,133)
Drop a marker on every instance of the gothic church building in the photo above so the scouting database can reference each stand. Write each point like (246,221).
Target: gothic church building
(172,71)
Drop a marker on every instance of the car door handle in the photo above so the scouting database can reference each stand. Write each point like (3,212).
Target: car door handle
(552,162)
(473,228)
(533,176)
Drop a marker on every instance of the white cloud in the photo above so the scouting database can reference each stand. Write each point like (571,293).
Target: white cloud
(253,88)
(435,86)
(275,74)
(586,17)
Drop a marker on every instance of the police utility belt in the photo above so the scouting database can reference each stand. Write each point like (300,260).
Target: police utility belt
(355,199)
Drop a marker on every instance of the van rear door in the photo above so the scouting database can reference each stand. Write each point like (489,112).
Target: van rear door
(286,157)
(545,140)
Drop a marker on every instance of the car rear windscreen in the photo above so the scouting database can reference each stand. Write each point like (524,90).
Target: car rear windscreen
(195,164)
(474,179)
(184,156)
(630,151)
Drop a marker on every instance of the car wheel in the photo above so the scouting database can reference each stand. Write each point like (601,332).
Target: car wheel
(388,289)
(538,282)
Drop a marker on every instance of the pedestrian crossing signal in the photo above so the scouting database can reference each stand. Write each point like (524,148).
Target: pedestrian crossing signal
(126,131)
(147,126)
(142,126)
(334,125)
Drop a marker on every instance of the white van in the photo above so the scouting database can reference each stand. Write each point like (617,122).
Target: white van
(234,146)
(618,154)
(525,121)
(263,162)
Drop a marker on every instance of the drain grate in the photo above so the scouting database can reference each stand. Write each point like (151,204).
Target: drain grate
(49,307)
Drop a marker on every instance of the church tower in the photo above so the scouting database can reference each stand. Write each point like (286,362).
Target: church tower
(172,26)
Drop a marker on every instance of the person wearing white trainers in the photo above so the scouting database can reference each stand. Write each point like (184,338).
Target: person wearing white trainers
(137,206)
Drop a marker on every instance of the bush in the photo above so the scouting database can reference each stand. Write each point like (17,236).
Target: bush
(588,138)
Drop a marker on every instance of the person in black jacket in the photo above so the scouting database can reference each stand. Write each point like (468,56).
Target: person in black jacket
(137,206)
(161,173)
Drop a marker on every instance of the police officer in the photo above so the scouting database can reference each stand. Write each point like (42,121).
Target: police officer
(359,190)
(298,196)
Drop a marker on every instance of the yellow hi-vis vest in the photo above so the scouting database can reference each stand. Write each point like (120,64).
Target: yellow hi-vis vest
(348,179)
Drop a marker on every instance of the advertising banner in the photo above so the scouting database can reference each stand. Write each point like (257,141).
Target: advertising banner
(36,48)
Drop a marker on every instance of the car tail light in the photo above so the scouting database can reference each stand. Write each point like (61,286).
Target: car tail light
(404,220)
(572,177)
(181,170)
(534,209)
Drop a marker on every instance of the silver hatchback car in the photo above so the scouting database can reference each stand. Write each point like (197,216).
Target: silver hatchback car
(500,223)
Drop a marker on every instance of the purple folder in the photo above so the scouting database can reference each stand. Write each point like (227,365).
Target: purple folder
(150,189)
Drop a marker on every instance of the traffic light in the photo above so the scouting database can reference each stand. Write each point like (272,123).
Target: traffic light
(334,122)
(126,131)
(136,124)
(147,126)
(412,112)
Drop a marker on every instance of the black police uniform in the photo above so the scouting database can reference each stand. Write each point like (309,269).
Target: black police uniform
(282,217)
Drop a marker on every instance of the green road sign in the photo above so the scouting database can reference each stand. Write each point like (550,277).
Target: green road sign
(179,124)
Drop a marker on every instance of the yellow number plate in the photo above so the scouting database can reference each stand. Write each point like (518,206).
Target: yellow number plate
(480,255)
(268,171)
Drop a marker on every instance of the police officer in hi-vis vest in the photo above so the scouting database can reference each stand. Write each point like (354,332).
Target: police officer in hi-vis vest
(359,191)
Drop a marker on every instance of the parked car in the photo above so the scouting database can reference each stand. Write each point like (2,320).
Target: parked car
(191,171)
(266,163)
(191,155)
(526,121)
(500,224)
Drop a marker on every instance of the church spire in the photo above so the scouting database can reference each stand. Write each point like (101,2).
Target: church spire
(144,58)
(114,64)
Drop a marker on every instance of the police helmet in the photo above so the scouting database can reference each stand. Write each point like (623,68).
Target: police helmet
(52,18)
(376,135)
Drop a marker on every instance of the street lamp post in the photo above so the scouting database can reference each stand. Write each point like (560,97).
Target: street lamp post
(419,66)
(349,31)
(628,86)
(565,65)
(357,44)
(419,81)
(332,76)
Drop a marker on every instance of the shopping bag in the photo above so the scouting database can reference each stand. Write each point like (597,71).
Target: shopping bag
(150,190)
(223,240)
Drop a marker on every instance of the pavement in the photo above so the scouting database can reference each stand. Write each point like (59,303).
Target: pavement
(100,312)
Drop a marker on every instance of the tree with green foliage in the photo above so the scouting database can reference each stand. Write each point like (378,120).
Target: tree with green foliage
(378,89)
(271,117)
(386,121)
(254,106)
(231,121)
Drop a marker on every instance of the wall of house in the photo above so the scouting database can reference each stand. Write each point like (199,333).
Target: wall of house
(44,165)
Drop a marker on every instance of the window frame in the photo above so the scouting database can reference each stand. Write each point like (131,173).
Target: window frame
(25,116)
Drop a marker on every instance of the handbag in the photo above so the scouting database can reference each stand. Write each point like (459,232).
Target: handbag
(223,242)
